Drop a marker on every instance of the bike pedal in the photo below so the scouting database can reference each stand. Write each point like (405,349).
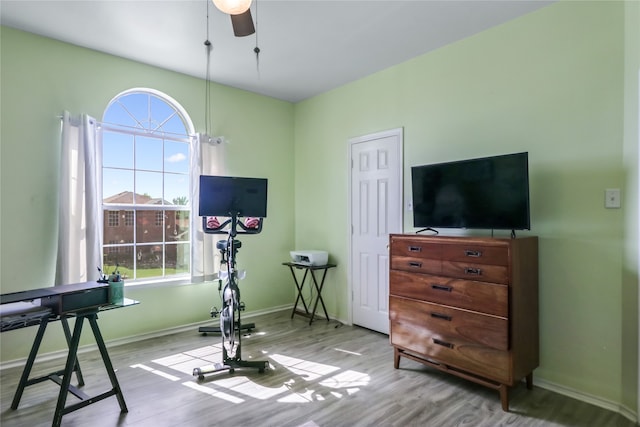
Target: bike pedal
(241,306)
(214,312)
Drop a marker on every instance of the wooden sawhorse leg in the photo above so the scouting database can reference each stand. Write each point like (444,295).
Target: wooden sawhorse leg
(65,383)
(24,379)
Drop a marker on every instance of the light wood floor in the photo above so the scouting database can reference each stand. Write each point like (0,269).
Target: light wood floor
(323,375)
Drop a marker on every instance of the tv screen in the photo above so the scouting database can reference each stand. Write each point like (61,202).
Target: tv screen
(224,195)
(483,193)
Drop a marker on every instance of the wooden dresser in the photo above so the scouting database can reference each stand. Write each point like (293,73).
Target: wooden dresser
(467,306)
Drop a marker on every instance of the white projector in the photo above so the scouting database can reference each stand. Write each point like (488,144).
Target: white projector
(309,257)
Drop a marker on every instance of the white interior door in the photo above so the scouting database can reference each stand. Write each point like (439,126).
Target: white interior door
(376,211)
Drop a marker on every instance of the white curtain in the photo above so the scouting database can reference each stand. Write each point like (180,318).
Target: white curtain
(80,211)
(207,158)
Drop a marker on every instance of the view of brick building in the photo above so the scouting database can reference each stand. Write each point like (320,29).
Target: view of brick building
(142,233)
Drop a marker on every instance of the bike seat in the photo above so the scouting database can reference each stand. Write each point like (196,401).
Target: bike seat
(223,244)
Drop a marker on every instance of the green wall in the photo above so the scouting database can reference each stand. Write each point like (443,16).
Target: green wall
(560,83)
(550,83)
(39,79)
(630,284)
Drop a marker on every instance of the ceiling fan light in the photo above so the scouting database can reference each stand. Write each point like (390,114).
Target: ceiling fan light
(233,7)
(242,24)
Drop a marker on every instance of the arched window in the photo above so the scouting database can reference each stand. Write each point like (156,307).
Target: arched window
(146,141)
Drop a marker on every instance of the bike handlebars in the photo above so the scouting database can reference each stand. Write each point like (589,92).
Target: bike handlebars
(221,227)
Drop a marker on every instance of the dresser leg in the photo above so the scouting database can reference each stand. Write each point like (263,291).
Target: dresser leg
(529,379)
(504,397)
(396,358)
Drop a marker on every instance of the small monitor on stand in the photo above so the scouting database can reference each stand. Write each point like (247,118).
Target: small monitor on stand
(224,199)
(225,195)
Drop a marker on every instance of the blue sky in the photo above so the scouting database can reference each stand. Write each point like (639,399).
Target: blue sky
(145,164)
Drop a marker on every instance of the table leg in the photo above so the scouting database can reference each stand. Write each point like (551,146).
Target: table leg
(27,367)
(319,296)
(67,334)
(107,362)
(68,370)
(72,359)
(299,289)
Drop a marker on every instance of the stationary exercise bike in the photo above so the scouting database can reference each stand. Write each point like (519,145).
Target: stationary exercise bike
(232,306)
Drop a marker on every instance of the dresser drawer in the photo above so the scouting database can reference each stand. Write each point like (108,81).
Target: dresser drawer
(480,272)
(483,361)
(435,342)
(415,248)
(452,324)
(483,297)
(476,254)
(416,265)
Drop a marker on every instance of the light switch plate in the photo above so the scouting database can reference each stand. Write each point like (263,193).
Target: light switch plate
(612,198)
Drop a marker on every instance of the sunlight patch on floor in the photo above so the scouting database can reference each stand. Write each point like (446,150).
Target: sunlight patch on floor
(156,372)
(308,381)
(187,361)
(347,351)
(346,379)
(244,385)
(306,397)
(213,392)
(306,369)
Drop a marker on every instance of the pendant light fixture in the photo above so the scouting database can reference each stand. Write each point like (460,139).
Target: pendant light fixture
(243,24)
(240,12)
(233,7)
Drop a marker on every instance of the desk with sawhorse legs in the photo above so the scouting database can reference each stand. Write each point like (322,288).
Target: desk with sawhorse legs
(80,301)
(318,288)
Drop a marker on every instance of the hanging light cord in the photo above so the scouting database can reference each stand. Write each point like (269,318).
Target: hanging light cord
(257,49)
(207,96)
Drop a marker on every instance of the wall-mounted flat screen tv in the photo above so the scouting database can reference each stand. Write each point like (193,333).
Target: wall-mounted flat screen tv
(224,196)
(482,193)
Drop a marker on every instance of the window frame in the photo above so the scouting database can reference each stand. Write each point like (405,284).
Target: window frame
(163,209)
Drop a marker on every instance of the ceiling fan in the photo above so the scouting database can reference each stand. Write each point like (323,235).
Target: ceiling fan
(240,12)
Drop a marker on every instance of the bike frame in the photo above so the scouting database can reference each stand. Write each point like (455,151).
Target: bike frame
(230,322)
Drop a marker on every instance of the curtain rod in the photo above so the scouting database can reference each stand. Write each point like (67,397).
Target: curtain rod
(139,131)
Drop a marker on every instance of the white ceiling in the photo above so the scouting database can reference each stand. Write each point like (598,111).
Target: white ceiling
(307,47)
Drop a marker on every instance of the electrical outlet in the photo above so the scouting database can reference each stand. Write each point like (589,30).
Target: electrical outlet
(612,198)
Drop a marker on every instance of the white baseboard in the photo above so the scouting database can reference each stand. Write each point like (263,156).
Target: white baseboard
(588,398)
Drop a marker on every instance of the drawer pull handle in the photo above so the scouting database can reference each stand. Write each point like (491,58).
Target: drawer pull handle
(415,248)
(473,271)
(415,264)
(473,254)
(441,316)
(442,288)
(442,343)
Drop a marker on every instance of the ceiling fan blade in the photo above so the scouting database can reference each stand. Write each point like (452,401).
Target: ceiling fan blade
(243,24)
